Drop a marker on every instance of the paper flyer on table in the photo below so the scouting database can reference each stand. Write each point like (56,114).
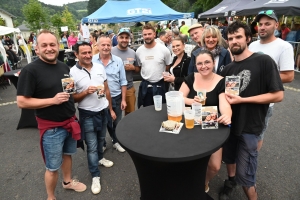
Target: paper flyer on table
(209,117)
(175,131)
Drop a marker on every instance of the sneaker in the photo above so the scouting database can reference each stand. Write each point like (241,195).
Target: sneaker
(103,148)
(118,147)
(227,190)
(206,188)
(96,187)
(106,163)
(75,185)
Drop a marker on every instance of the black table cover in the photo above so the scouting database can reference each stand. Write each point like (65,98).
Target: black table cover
(169,166)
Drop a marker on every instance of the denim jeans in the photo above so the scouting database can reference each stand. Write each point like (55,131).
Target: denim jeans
(94,142)
(56,142)
(112,124)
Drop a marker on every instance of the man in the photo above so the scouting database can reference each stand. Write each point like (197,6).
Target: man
(162,38)
(55,112)
(284,31)
(129,59)
(184,29)
(113,38)
(88,78)
(195,32)
(282,53)
(117,84)
(260,85)
(153,59)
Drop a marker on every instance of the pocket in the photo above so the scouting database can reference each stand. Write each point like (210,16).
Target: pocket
(252,166)
(88,125)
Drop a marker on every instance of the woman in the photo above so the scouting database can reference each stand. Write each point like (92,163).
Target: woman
(179,66)
(212,41)
(32,42)
(72,40)
(214,85)
(64,40)
(93,40)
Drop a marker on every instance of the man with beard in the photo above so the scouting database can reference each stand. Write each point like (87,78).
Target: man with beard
(260,85)
(129,59)
(117,83)
(281,52)
(54,109)
(153,58)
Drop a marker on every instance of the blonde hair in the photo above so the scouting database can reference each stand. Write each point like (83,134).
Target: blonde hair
(214,31)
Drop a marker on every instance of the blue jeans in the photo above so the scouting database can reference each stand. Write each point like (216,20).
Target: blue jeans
(94,142)
(56,142)
(112,124)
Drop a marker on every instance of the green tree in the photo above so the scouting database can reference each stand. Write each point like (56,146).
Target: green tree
(64,19)
(94,5)
(36,17)
(2,22)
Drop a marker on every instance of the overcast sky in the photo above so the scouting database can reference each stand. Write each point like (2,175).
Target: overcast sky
(59,2)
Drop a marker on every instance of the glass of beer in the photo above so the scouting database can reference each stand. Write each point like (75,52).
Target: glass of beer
(189,116)
(175,118)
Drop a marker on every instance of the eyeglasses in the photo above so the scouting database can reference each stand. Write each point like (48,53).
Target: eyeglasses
(267,12)
(206,63)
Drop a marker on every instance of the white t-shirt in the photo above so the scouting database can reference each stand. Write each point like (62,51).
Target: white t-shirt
(83,80)
(153,61)
(281,51)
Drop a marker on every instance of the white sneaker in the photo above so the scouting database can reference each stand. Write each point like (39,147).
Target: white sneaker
(96,187)
(118,147)
(106,163)
(103,148)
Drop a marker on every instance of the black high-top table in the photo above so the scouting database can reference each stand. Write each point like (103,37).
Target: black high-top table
(27,118)
(169,166)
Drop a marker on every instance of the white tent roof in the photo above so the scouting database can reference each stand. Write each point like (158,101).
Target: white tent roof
(7,30)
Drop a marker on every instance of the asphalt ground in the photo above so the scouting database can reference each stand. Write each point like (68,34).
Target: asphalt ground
(22,168)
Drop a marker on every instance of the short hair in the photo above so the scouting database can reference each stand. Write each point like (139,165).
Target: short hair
(232,28)
(176,31)
(45,31)
(148,26)
(80,43)
(182,22)
(214,31)
(184,37)
(162,33)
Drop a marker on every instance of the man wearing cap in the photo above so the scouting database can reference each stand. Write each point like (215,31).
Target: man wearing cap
(184,29)
(282,53)
(153,58)
(195,32)
(113,38)
(129,59)
(117,83)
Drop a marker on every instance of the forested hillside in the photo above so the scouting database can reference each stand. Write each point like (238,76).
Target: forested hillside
(78,9)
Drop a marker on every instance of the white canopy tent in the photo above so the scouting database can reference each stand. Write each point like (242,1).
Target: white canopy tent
(8,30)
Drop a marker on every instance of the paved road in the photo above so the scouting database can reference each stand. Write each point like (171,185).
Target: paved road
(22,168)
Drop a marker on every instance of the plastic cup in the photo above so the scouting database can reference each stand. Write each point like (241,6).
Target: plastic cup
(189,116)
(126,62)
(202,95)
(197,108)
(157,102)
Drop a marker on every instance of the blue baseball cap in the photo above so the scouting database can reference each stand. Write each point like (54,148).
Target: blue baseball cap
(124,30)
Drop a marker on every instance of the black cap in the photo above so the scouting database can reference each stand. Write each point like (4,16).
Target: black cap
(269,13)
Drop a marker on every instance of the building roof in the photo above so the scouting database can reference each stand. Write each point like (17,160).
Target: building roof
(23,27)
(9,14)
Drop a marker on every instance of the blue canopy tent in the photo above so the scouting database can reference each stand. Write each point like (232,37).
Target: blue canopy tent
(114,11)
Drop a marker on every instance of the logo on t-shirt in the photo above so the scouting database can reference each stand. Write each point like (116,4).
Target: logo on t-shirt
(149,57)
(245,78)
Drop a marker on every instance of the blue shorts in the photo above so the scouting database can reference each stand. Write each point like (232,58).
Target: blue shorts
(268,116)
(242,151)
(56,142)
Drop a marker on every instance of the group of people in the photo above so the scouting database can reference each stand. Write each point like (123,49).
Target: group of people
(112,67)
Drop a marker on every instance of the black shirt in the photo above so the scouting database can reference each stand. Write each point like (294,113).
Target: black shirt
(259,75)
(42,80)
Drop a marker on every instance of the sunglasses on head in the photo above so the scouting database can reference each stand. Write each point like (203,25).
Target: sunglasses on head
(267,12)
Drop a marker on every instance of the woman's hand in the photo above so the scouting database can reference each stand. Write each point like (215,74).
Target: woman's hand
(224,119)
(170,78)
